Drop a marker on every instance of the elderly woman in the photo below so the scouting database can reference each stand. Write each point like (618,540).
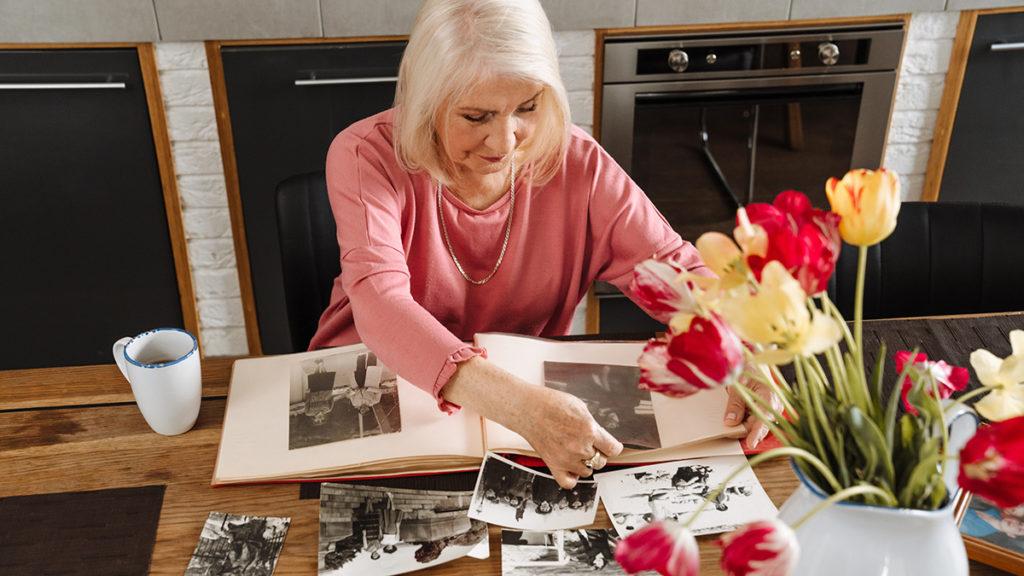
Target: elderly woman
(475,205)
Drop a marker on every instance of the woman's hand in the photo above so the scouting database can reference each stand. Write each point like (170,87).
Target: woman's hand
(557,425)
(736,411)
(564,434)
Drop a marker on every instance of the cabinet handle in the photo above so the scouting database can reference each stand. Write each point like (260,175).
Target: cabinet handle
(64,86)
(332,81)
(1007,46)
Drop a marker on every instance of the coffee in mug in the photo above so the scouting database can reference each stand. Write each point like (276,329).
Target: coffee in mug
(162,366)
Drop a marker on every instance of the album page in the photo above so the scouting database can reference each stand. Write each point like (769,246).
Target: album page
(604,375)
(333,413)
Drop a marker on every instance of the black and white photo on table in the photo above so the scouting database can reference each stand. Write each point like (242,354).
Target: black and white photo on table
(340,397)
(514,496)
(612,398)
(558,552)
(238,545)
(382,531)
(634,497)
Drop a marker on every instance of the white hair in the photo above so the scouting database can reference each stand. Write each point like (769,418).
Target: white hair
(456,44)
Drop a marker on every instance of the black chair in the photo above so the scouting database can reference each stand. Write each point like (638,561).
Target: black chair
(943,258)
(310,258)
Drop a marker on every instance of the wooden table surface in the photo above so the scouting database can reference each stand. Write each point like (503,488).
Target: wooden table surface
(78,429)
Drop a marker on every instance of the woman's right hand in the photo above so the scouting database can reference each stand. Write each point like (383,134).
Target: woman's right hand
(561,430)
(557,425)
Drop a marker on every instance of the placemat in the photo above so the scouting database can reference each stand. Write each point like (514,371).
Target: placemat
(108,532)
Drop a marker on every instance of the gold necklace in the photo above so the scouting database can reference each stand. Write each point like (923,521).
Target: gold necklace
(508,228)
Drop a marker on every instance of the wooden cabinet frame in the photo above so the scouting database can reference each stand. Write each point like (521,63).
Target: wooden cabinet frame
(951,98)
(82,375)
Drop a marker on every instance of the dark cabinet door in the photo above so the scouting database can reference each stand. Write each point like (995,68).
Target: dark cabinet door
(282,124)
(986,149)
(85,255)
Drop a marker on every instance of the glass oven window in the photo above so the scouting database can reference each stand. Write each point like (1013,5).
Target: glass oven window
(697,154)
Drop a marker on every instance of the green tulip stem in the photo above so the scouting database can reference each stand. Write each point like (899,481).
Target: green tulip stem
(784,451)
(942,416)
(844,495)
(784,395)
(965,397)
(834,312)
(858,312)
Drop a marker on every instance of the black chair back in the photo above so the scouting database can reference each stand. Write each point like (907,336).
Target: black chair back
(943,258)
(310,257)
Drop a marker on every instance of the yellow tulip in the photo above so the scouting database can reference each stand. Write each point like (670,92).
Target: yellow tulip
(778,318)
(868,201)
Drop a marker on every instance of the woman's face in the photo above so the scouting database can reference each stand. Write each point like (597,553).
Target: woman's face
(489,123)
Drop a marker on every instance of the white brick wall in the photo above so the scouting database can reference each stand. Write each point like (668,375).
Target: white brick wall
(190,117)
(918,92)
(188,101)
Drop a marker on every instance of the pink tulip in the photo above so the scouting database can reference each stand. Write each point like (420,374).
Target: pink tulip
(657,288)
(662,545)
(707,354)
(992,463)
(761,548)
(949,378)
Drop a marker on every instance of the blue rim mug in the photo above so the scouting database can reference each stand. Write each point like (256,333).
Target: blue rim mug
(162,366)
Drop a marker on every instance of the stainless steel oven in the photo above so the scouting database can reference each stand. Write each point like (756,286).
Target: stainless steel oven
(704,123)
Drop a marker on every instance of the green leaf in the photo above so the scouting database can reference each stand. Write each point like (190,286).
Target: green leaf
(871,443)
(894,398)
(876,382)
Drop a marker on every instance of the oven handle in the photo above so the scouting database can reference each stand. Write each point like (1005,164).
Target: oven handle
(767,94)
(1007,46)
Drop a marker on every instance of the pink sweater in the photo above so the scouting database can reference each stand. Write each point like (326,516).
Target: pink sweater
(399,291)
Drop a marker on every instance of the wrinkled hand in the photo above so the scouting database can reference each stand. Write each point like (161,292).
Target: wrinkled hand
(564,434)
(736,411)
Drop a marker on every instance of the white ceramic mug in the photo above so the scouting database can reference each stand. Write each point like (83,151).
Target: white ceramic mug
(162,365)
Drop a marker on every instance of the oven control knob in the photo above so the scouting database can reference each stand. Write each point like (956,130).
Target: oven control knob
(678,60)
(794,54)
(711,58)
(828,53)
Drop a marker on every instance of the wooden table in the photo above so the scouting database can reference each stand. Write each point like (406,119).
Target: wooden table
(79,429)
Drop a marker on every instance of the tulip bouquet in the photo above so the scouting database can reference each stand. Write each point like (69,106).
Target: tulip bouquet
(766,309)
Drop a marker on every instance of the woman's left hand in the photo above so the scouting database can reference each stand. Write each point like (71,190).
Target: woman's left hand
(736,411)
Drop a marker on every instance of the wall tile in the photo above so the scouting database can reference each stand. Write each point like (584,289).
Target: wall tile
(976,4)
(78,21)
(657,12)
(362,18)
(574,43)
(583,14)
(230,19)
(802,9)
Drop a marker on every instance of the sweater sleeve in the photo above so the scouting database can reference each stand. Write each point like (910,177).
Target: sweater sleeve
(369,214)
(625,227)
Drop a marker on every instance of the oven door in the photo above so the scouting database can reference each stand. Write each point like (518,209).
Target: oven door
(701,148)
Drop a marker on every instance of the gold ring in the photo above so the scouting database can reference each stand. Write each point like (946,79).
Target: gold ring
(593,460)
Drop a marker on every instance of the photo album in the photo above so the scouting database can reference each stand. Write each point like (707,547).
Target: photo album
(340,413)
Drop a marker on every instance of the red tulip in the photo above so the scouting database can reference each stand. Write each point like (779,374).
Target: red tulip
(662,545)
(804,239)
(992,463)
(949,378)
(657,288)
(707,354)
(761,548)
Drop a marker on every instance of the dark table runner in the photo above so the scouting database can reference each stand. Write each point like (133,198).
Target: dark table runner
(109,532)
(951,339)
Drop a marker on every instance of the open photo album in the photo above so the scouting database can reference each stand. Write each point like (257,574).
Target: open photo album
(339,413)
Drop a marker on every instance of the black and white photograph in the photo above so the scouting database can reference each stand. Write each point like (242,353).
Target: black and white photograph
(612,397)
(635,496)
(515,496)
(382,531)
(232,545)
(561,552)
(341,397)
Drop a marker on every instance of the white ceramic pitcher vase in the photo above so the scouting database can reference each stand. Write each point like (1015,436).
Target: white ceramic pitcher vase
(851,539)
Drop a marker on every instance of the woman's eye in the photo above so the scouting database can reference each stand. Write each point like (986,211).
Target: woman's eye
(478,118)
(529,108)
